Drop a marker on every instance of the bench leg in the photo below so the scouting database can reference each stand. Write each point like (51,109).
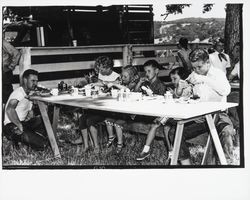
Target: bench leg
(177,142)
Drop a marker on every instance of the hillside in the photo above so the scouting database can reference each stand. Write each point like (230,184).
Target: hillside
(192,28)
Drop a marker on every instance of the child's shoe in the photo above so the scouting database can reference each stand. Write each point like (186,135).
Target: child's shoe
(111,141)
(77,141)
(119,148)
(143,155)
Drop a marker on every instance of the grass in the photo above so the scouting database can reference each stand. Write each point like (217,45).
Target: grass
(68,130)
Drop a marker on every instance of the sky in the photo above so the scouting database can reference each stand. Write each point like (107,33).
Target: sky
(195,10)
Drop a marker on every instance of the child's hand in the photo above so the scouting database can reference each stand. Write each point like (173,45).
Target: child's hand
(143,79)
(170,90)
(109,85)
(181,84)
(91,85)
(91,74)
(29,115)
(147,90)
(195,79)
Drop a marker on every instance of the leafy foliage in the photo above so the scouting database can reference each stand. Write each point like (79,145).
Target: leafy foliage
(190,28)
(174,9)
(207,7)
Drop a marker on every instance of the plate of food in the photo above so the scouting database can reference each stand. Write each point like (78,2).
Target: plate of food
(40,91)
(185,100)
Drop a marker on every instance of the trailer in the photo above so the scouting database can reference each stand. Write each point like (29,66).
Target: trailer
(80,25)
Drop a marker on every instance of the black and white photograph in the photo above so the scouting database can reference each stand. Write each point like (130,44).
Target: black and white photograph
(124,87)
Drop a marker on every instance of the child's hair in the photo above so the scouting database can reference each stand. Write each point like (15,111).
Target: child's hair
(218,40)
(131,70)
(152,63)
(183,42)
(104,61)
(30,72)
(198,54)
(181,71)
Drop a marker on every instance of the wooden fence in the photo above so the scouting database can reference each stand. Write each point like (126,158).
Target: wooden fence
(57,63)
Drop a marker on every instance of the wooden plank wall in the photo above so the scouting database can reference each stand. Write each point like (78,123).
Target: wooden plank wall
(72,70)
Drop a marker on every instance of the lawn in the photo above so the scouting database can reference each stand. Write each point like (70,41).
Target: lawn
(68,130)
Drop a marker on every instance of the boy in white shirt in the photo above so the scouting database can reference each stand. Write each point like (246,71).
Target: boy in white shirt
(211,85)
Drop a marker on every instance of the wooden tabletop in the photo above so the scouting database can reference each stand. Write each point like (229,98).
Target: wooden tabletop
(150,107)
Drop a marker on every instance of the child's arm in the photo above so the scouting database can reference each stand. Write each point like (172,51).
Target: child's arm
(113,83)
(117,85)
(99,83)
(180,88)
(218,83)
(139,84)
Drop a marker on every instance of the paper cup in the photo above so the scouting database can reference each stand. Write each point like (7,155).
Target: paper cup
(54,91)
(114,93)
(74,43)
(75,92)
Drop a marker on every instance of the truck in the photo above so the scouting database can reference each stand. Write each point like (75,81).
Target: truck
(39,26)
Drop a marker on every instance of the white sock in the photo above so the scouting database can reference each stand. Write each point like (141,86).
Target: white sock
(146,149)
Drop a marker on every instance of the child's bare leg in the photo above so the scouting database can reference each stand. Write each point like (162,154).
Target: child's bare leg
(110,129)
(93,133)
(166,131)
(151,134)
(119,133)
(85,139)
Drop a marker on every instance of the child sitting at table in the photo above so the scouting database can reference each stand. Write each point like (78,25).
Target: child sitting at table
(181,89)
(130,79)
(211,85)
(92,118)
(106,74)
(151,81)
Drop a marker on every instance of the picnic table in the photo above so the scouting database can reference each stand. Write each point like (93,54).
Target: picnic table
(158,107)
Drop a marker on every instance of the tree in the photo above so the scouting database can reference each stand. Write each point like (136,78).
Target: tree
(233,23)
(233,31)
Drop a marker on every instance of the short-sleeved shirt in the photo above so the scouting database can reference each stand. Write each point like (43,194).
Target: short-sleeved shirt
(109,78)
(221,64)
(23,107)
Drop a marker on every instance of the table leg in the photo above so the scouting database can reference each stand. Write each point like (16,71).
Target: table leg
(55,117)
(43,109)
(216,140)
(207,149)
(177,142)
